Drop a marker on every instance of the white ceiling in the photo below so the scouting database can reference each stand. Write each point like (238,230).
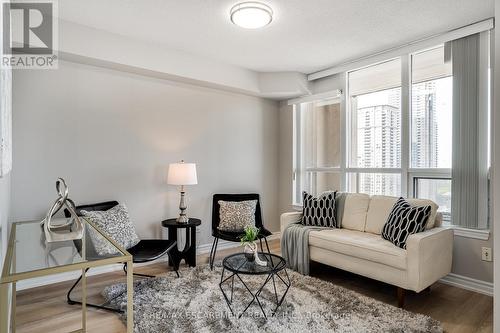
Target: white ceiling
(305,36)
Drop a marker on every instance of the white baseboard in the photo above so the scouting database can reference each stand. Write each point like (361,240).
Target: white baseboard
(67,276)
(468,283)
(61,277)
(222,245)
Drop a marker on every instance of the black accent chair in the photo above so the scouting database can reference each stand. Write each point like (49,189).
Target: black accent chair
(235,236)
(146,250)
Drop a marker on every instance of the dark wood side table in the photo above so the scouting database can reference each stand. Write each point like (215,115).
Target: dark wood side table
(189,251)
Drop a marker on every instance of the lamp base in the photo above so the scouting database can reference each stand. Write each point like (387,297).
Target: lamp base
(182,206)
(182,219)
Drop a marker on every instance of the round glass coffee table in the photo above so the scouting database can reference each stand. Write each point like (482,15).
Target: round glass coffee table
(238,266)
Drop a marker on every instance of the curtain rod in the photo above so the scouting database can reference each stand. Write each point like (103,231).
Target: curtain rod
(413,46)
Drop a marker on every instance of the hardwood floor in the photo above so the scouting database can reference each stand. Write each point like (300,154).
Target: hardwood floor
(45,309)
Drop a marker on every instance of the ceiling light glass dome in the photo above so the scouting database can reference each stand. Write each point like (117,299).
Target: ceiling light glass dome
(251,15)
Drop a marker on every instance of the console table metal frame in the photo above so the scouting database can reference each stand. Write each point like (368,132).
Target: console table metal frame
(8,278)
(271,274)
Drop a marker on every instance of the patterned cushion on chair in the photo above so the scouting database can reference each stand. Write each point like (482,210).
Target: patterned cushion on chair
(116,224)
(403,221)
(236,215)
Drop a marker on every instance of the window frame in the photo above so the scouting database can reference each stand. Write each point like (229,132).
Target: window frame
(407,173)
(433,176)
(300,170)
(347,113)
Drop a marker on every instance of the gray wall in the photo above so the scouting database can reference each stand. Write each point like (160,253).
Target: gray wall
(111,135)
(285,188)
(496,168)
(4,215)
(466,251)
(467,258)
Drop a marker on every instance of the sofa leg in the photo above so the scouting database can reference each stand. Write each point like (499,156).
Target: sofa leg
(428,289)
(401,297)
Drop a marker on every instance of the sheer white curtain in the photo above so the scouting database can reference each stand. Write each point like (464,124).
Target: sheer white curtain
(469,152)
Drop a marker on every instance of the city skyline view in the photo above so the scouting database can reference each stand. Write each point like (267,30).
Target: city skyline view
(377,139)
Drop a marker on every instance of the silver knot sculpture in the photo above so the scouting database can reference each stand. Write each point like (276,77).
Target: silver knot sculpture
(62,229)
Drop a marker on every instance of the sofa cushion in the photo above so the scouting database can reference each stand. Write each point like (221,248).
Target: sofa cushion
(355,208)
(381,206)
(339,206)
(378,212)
(361,245)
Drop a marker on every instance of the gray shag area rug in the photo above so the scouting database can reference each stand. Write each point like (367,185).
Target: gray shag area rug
(194,303)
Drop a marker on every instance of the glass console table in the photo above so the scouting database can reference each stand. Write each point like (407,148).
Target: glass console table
(29,256)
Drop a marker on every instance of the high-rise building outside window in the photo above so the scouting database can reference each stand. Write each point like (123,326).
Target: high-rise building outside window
(375,132)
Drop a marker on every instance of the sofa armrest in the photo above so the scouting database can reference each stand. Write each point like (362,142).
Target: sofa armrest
(287,218)
(429,257)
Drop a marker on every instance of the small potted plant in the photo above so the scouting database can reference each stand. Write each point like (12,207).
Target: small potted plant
(248,240)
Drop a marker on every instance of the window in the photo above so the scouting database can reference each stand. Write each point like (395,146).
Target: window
(437,190)
(375,129)
(392,135)
(431,110)
(318,153)
(431,128)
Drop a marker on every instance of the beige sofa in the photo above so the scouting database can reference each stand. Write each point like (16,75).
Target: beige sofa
(359,248)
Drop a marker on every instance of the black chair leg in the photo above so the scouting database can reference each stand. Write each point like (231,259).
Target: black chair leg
(267,245)
(213,251)
(261,248)
(137,274)
(147,275)
(176,268)
(97,306)
(68,295)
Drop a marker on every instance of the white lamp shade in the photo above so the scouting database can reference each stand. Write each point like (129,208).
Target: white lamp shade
(182,174)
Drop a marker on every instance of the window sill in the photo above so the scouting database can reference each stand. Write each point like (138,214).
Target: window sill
(470,233)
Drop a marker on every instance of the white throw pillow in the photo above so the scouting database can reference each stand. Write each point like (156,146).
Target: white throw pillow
(115,223)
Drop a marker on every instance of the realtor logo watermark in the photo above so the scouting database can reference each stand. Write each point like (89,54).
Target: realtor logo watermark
(29,39)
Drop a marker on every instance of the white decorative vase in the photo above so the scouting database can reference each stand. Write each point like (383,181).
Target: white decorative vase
(249,251)
(257,259)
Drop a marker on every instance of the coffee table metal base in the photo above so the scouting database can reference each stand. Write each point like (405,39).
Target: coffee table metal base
(274,276)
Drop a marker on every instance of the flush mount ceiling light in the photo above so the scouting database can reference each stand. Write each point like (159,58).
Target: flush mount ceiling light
(251,15)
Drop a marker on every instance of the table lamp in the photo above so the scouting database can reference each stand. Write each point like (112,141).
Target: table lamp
(182,174)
